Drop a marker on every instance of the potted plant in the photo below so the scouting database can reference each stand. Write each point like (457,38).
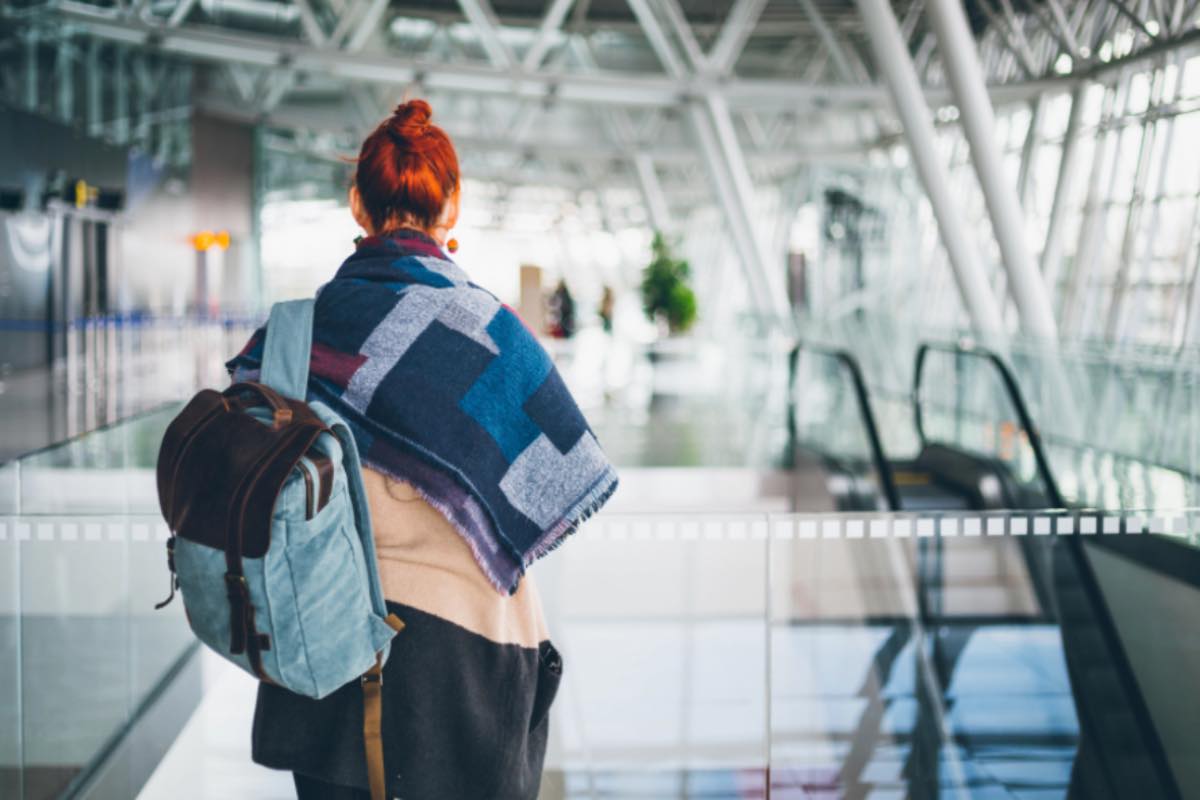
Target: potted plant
(666,296)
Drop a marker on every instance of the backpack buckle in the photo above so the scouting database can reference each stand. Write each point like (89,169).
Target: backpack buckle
(235,585)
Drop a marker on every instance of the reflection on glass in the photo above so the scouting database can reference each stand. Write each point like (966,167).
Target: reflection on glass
(10,663)
(882,655)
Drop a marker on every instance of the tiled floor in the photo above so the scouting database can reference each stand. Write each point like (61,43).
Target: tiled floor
(211,758)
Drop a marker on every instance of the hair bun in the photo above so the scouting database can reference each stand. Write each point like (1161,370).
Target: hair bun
(410,118)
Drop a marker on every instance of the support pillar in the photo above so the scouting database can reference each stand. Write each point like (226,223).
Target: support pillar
(891,53)
(731,181)
(121,121)
(1029,152)
(652,193)
(1068,167)
(965,74)
(30,89)
(65,76)
(95,89)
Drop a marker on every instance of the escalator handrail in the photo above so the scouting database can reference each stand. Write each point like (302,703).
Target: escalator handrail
(1089,582)
(848,362)
(1011,388)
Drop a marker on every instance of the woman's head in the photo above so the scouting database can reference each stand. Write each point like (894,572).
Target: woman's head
(407,175)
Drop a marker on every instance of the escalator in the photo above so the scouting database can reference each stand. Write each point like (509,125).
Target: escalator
(1099,592)
(832,421)
(1120,751)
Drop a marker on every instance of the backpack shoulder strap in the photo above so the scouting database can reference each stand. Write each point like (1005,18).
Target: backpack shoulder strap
(288,348)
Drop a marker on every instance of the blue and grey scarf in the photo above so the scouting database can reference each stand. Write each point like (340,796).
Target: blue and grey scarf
(445,389)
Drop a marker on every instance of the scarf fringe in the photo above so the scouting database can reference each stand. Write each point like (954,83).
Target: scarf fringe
(580,512)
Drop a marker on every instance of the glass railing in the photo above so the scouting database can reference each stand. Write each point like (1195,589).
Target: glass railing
(952,655)
(82,564)
(707,654)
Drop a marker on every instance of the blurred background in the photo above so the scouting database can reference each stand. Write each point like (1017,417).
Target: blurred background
(891,272)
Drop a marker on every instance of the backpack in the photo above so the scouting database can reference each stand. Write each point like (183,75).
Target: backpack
(270,541)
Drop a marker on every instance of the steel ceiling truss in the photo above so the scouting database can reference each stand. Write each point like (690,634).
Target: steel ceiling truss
(1074,39)
(670,93)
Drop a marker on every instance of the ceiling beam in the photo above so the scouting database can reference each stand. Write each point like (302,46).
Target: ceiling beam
(659,42)
(369,24)
(550,27)
(605,87)
(734,35)
(487,27)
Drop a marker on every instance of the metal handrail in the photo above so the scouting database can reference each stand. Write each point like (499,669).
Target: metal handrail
(1011,388)
(1088,580)
(848,362)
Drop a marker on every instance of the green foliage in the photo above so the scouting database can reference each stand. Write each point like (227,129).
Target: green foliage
(665,290)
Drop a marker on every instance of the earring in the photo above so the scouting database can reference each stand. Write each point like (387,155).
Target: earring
(452,245)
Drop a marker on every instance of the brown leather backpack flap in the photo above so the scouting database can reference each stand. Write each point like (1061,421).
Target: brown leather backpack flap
(195,415)
(220,471)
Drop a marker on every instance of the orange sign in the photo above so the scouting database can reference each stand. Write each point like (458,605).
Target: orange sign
(206,240)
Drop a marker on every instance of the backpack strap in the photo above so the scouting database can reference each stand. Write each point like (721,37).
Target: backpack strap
(288,348)
(372,691)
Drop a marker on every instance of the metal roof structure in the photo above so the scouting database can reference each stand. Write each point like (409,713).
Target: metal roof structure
(689,103)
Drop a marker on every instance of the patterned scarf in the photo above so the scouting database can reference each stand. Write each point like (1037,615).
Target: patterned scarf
(445,389)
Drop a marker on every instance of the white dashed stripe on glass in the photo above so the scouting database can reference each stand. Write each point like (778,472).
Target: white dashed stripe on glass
(784,529)
(697,528)
(838,527)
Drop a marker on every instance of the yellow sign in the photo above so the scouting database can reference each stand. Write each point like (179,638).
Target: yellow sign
(207,240)
(85,194)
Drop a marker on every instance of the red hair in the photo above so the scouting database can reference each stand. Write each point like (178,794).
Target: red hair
(407,168)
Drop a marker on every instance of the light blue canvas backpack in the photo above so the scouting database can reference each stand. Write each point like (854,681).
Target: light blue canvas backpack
(271,542)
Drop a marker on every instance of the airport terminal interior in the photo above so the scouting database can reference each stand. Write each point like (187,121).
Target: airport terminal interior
(886,311)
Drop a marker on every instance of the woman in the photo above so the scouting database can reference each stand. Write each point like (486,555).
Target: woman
(476,462)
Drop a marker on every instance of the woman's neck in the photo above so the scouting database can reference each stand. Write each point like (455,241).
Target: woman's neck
(397,227)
